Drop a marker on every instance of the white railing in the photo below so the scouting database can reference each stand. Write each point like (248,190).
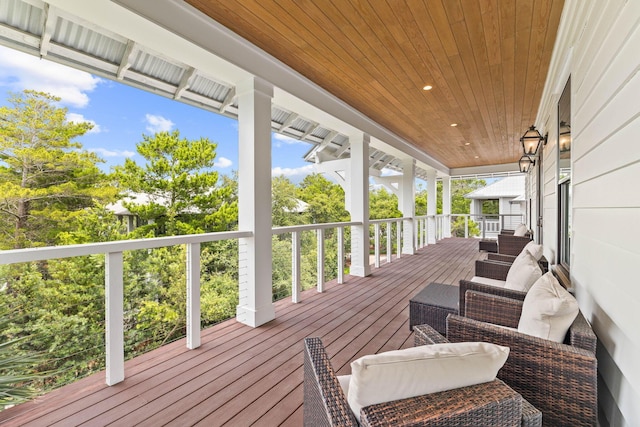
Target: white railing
(442,225)
(114,283)
(296,285)
(388,223)
(114,268)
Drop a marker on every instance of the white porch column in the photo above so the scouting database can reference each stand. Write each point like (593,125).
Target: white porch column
(407,202)
(432,189)
(254,202)
(359,204)
(446,205)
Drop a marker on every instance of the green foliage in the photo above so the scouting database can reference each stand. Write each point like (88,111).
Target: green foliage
(325,199)
(459,204)
(383,204)
(457,227)
(17,369)
(283,202)
(181,185)
(491,207)
(45,176)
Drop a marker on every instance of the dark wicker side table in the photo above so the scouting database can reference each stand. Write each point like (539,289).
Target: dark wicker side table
(488,246)
(432,305)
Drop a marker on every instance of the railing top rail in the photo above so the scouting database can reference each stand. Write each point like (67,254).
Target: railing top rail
(309,227)
(51,252)
(386,220)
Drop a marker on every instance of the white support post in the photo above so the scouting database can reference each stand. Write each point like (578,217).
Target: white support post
(389,242)
(358,204)
(376,244)
(114,319)
(193,295)
(446,206)
(320,238)
(432,194)
(340,255)
(407,205)
(296,276)
(254,200)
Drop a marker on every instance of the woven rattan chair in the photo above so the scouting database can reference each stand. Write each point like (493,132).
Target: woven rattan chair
(487,404)
(509,244)
(559,379)
(493,269)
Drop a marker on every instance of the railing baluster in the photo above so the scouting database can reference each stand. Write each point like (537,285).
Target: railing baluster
(340,255)
(398,239)
(466,226)
(114,300)
(388,241)
(193,295)
(295,267)
(320,234)
(376,240)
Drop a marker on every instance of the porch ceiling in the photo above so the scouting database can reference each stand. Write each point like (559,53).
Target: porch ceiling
(486,60)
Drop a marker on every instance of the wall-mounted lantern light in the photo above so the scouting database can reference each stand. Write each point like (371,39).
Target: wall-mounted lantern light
(526,163)
(531,141)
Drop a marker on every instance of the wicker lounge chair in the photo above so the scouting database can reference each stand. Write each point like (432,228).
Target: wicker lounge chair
(492,269)
(559,379)
(509,244)
(492,403)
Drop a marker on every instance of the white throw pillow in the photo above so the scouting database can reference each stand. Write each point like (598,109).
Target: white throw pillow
(534,249)
(548,310)
(523,273)
(422,370)
(521,230)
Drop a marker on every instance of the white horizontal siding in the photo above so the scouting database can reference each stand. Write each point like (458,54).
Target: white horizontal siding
(600,40)
(606,201)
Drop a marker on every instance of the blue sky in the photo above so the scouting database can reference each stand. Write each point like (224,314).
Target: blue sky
(121,114)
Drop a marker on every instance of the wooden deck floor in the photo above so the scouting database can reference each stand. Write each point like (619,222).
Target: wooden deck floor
(242,376)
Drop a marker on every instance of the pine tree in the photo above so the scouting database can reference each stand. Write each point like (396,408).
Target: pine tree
(45,176)
(180,184)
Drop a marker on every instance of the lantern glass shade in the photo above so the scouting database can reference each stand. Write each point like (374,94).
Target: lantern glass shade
(564,140)
(525,163)
(531,141)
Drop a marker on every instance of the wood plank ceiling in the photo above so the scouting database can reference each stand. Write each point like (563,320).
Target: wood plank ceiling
(487,61)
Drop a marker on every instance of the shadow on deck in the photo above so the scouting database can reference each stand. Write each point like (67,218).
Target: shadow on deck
(243,376)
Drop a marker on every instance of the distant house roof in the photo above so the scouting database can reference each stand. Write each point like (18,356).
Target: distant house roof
(300,207)
(512,186)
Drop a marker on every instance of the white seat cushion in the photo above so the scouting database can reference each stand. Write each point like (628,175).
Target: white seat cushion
(523,273)
(344,383)
(422,370)
(488,281)
(548,310)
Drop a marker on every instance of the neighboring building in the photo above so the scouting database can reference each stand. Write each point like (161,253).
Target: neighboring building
(509,193)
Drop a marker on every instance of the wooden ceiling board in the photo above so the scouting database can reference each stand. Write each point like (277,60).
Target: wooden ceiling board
(486,60)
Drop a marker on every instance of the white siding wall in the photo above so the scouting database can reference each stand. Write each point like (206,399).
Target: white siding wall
(599,45)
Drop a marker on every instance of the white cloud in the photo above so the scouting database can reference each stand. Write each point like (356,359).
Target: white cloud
(389,172)
(112,153)
(79,118)
(293,172)
(223,162)
(157,124)
(19,71)
(283,139)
